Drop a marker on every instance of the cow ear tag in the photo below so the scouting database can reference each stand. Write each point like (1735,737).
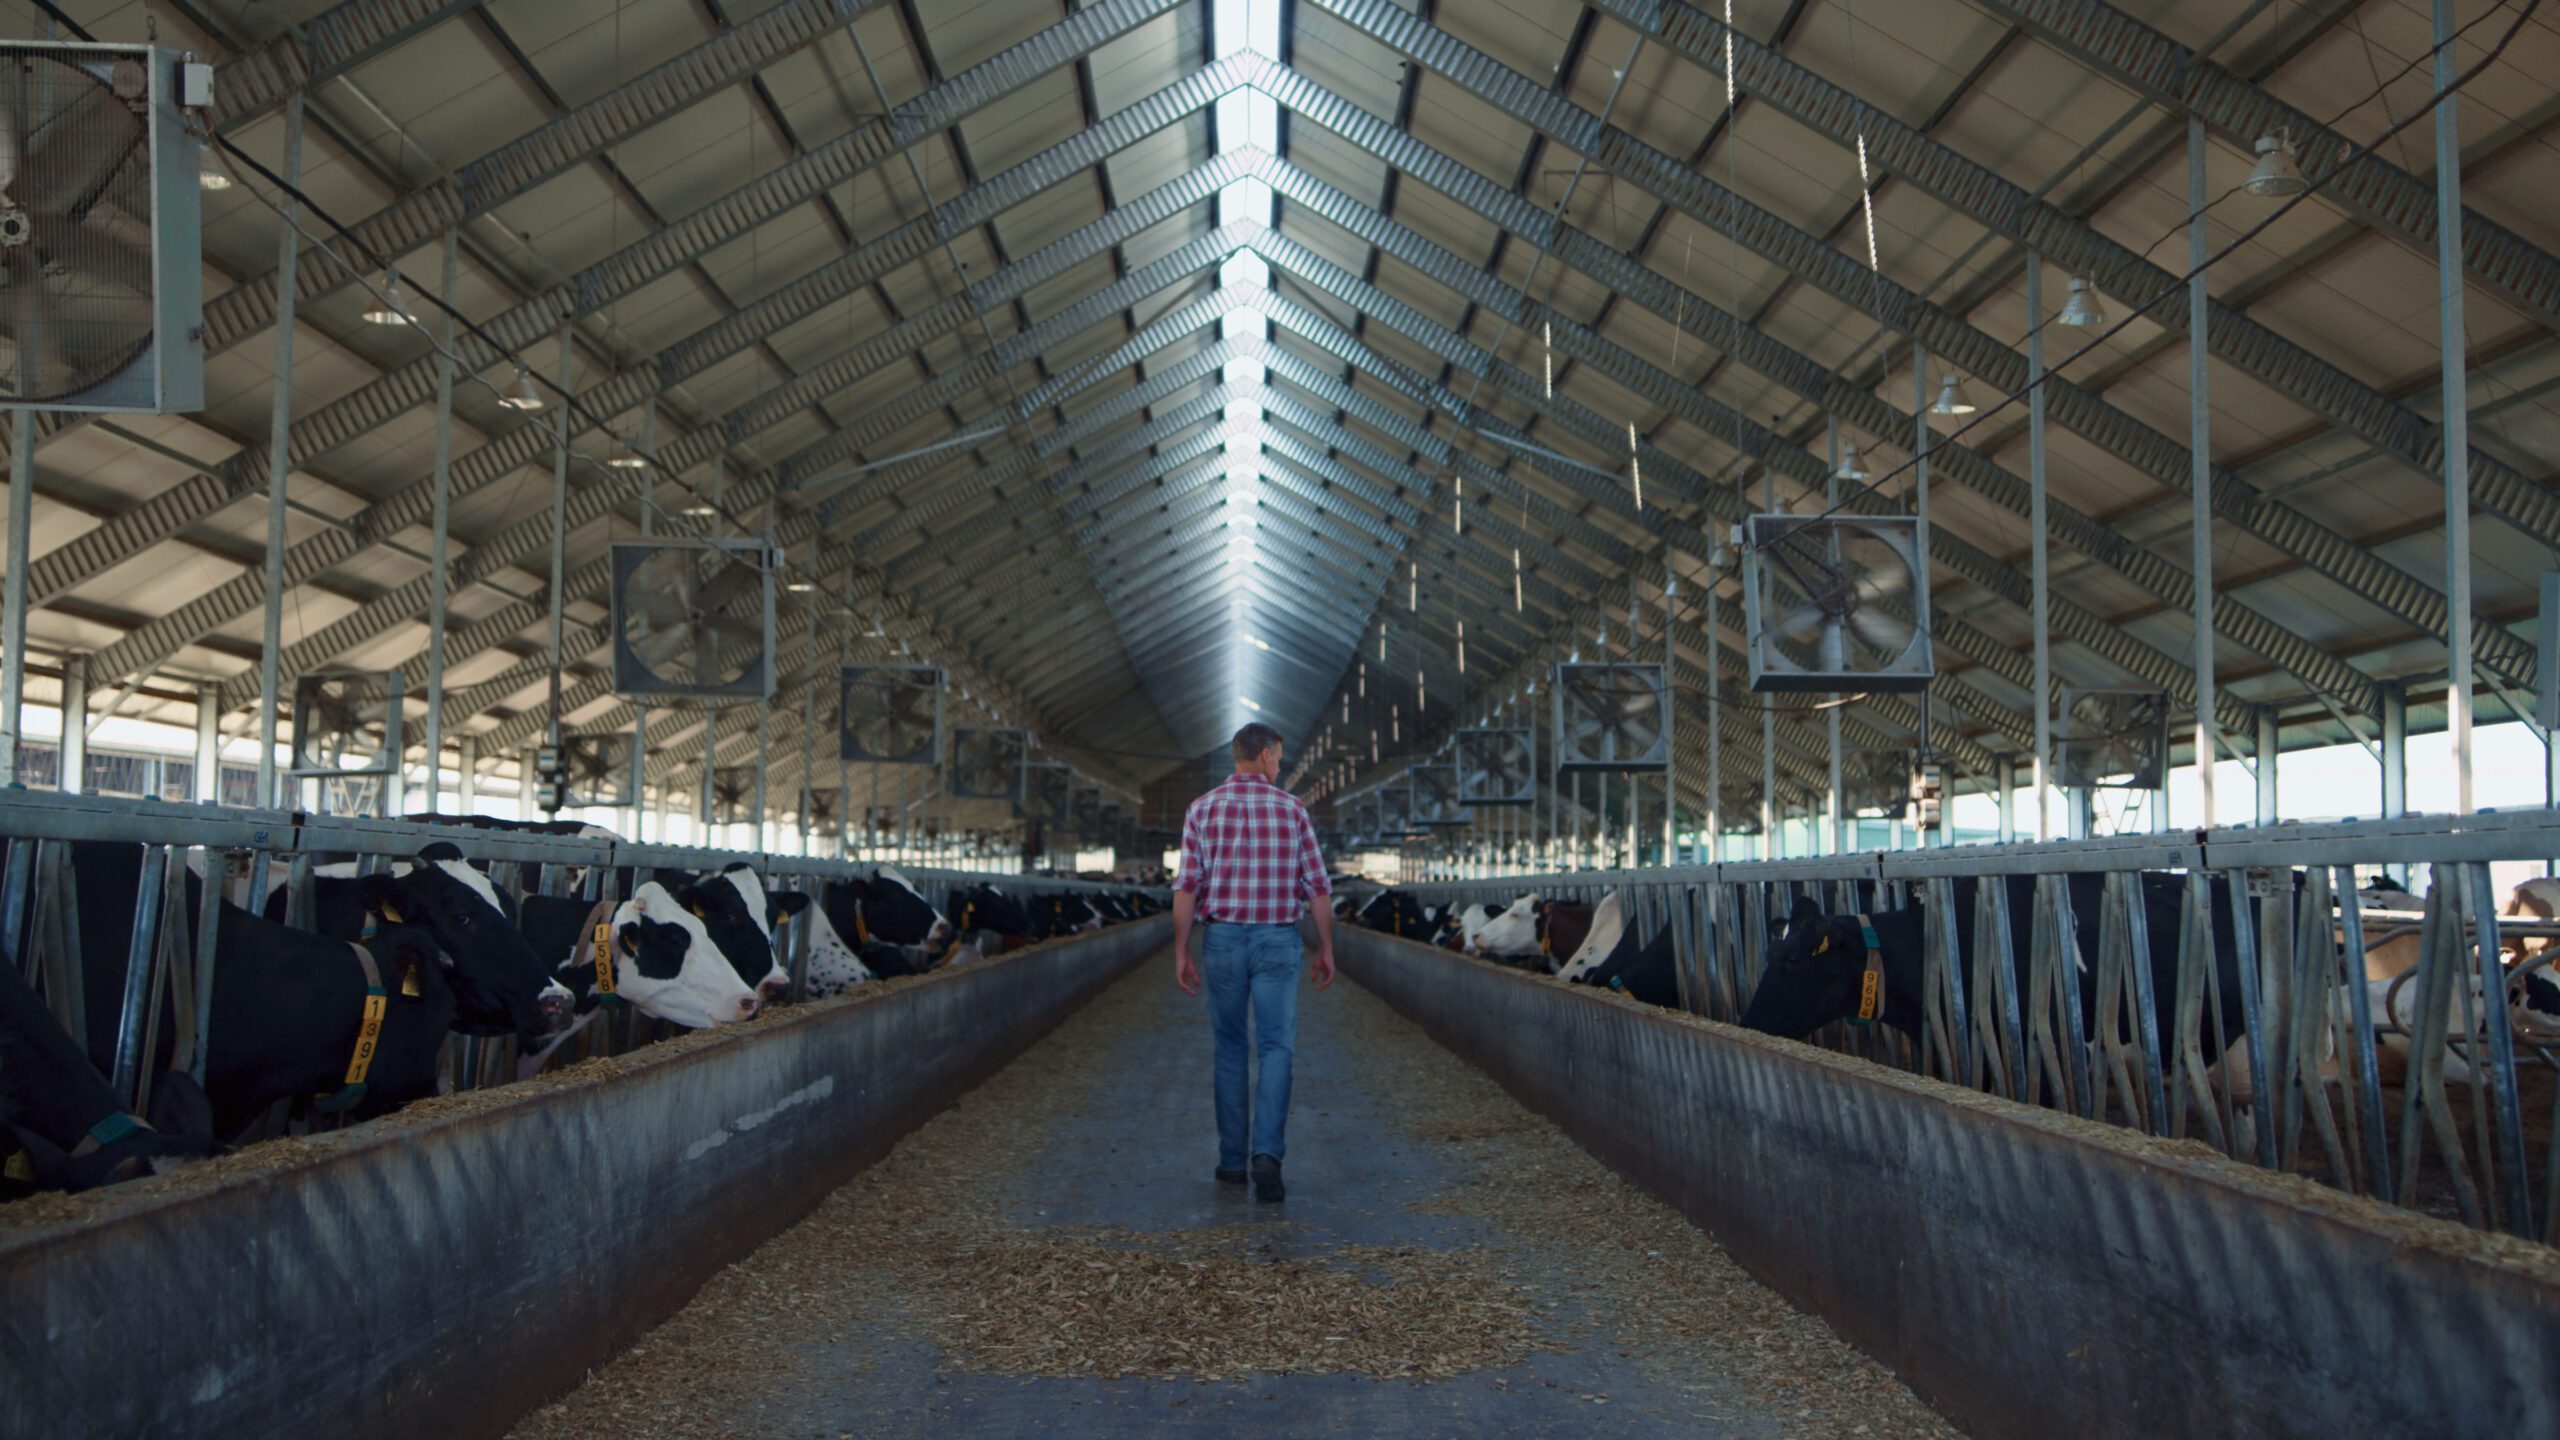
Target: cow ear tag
(604,958)
(409,987)
(1824,948)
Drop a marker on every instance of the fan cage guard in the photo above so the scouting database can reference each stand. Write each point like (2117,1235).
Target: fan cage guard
(1047,793)
(1435,797)
(2075,768)
(1773,669)
(1578,686)
(986,763)
(737,805)
(117,318)
(1877,780)
(868,694)
(576,748)
(1484,755)
(644,565)
(380,693)
(1395,812)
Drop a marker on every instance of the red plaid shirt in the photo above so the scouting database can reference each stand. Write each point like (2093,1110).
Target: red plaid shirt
(1249,854)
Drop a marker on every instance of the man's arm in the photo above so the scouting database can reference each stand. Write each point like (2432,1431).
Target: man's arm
(1186,899)
(1317,886)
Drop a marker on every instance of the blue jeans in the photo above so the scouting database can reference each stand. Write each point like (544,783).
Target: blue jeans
(1255,964)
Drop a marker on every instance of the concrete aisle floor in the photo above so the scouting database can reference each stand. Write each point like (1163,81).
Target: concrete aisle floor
(1392,1142)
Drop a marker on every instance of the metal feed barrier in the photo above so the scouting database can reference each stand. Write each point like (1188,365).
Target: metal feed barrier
(2466,1134)
(39,919)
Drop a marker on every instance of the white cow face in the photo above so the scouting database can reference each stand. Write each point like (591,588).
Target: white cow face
(665,963)
(1513,934)
(1608,922)
(739,915)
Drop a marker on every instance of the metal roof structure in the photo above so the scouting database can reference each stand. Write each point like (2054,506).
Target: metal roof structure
(1150,364)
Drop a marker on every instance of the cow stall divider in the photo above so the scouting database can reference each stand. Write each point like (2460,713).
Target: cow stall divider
(445,1270)
(2466,1133)
(253,851)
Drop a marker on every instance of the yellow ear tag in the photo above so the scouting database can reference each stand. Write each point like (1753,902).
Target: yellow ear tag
(604,958)
(1824,948)
(392,915)
(409,987)
(697,912)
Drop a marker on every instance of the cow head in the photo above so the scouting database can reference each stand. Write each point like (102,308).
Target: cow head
(892,910)
(666,963)
(739,915)
(1816,964)
(500,986)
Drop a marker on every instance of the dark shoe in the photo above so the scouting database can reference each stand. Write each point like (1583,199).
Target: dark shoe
(1266,1180)
(1230,1177)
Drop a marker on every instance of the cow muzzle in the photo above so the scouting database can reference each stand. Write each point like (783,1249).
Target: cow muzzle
(557,1005)
(773,988)
(748,1005)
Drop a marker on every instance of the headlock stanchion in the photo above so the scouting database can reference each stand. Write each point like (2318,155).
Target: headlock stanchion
(2434,1089)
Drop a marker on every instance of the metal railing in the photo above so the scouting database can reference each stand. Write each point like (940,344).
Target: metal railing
(39,928)
(2466,1132)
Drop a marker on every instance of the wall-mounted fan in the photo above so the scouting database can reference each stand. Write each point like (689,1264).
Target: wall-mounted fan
(598,767)
(1363,824)
(1738,809)
(1496,767)
(733,794)
(824,806)
(101,240)
(346,722)
(1048,793)
(1612,717)
(1875,782)
(890,714)
(1086,813)
(1830,603)
(693,619)
(1435,796)
(2114,739)
(1395,812)
(986,762)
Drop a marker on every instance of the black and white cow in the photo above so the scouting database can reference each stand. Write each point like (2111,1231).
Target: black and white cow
(741,917)
(75,1133)
(1817,962)
(1397,912)
(986,910)
(835,964)
(289,1007)
(1060,913)
(658,956)
(1646,971)
(500,985)
(884,907)
(1510,934)
(573,876)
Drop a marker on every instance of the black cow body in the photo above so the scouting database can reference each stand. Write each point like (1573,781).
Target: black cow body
(54,1102)
(1643,971)
(500,984)
(1396,912)
(984,908)
(1816,967)
(288,1005)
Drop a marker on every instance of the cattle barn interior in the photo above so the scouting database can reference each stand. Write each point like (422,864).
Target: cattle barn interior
(1921,639)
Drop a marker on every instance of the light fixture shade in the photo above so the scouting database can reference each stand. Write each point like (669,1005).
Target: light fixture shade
(520,394)
(211,176)
(1951,399)
(2276,174)
(391,307)
(2081,311)
(1850,468)
(626,458)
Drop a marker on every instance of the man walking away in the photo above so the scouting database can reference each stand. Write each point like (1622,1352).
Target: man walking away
(1249,866)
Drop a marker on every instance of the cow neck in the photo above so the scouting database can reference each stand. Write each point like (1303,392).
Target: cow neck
(1871,983)
(595,935)
(368,1033)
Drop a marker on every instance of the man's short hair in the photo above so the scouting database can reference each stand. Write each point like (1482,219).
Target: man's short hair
(1253,739)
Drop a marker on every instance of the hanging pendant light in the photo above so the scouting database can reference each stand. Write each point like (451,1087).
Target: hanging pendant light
(210,175)
(626,458)
(520,394)
(2081,311)
(390,307)
(1851,470)
(1635,466)
(1951,399)
(2276,174)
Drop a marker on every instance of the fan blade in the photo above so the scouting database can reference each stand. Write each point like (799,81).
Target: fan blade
(1887,632)
(1802,624)
(726,584)
(1875,584)
(657,647)
(652,607)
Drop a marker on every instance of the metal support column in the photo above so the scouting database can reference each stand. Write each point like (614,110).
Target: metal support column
(2456,408)
(73,772)
(13,612)
(2200,476)
(466,783)
(1922,440)
(1715,715)
(208,741)
(2269,746)
(279,451)
(559,527)
(1835,823)
(440,551)
(2040,550)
